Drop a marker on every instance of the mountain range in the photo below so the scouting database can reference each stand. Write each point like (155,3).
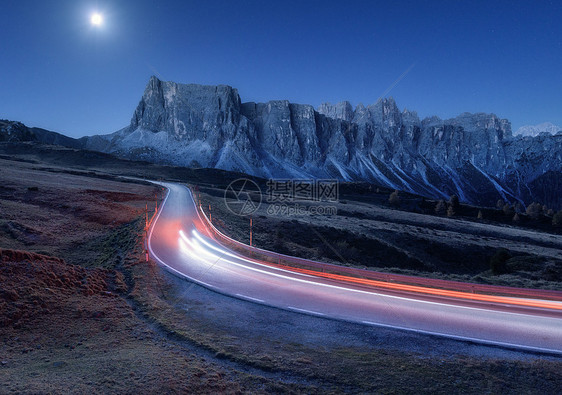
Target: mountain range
(474,156)
(535,130)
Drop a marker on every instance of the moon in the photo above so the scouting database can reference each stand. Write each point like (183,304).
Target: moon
(96,19)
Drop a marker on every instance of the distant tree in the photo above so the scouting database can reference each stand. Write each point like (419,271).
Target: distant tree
(378,190)
(394,199)
(454,202)
(500,204)
(440,208)
(480,215)
(498,261)
(550,212)
(451,211)
(508,210)
(557,219)
(534,210)
(516,218)
(518,207)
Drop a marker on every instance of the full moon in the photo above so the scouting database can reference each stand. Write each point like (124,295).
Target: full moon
(96,19)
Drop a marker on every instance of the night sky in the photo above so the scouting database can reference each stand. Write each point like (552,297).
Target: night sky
(60,72)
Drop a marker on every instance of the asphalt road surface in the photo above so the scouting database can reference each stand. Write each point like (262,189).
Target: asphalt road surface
(181,240)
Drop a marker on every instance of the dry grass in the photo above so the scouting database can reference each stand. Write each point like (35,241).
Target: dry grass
(374,236)
(90,316)
(70,329)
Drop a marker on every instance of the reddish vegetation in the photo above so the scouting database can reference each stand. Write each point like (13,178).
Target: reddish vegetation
(66,324)
(31,284)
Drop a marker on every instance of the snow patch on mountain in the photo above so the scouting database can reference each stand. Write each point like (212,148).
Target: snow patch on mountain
(535,130)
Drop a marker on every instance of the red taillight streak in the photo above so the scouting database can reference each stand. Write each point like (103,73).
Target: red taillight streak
(430,291)
(405,287)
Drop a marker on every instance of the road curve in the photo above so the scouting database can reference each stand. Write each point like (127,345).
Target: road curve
(180,240)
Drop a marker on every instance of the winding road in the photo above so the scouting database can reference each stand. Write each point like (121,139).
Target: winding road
(181,239)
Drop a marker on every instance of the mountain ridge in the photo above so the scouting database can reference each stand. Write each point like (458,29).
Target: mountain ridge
(535,130)
(475,156)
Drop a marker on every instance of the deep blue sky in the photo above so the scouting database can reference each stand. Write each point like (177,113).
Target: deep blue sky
(60,73)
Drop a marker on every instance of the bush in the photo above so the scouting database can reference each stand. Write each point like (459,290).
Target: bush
(534,210)
(516,218)
(454,202)
(498,262)
(440,208)
(346,251)
(557,219)
(508,210)
(451,211)
(394,199)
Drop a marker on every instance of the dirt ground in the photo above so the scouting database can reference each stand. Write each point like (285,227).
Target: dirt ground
(82,312)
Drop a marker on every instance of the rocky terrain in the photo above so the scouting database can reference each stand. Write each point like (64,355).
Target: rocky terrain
(535,130)
(474,156)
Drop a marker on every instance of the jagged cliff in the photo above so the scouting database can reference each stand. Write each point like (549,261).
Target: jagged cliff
(473,155)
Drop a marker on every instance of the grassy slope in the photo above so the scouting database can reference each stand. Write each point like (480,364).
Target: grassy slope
(368,232)
(152,334)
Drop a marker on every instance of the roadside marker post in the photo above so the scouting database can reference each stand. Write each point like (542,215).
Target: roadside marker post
(146,217)
(250,232)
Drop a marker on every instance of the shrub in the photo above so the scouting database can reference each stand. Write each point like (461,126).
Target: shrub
(346,251)
(557,219)
(440,207)
(451,211)
(454,201)
(508,210)
(394,199)
(516,218)
(534,210)
(498,261)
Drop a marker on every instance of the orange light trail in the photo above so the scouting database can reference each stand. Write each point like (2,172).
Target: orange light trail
(425,290)
(545,304)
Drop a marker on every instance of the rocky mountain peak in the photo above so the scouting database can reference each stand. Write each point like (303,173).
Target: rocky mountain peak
(472,155)
(342,110)
(385,113)
(535,130)
(185,110)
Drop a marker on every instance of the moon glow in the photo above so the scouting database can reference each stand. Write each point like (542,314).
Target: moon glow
(96,19)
